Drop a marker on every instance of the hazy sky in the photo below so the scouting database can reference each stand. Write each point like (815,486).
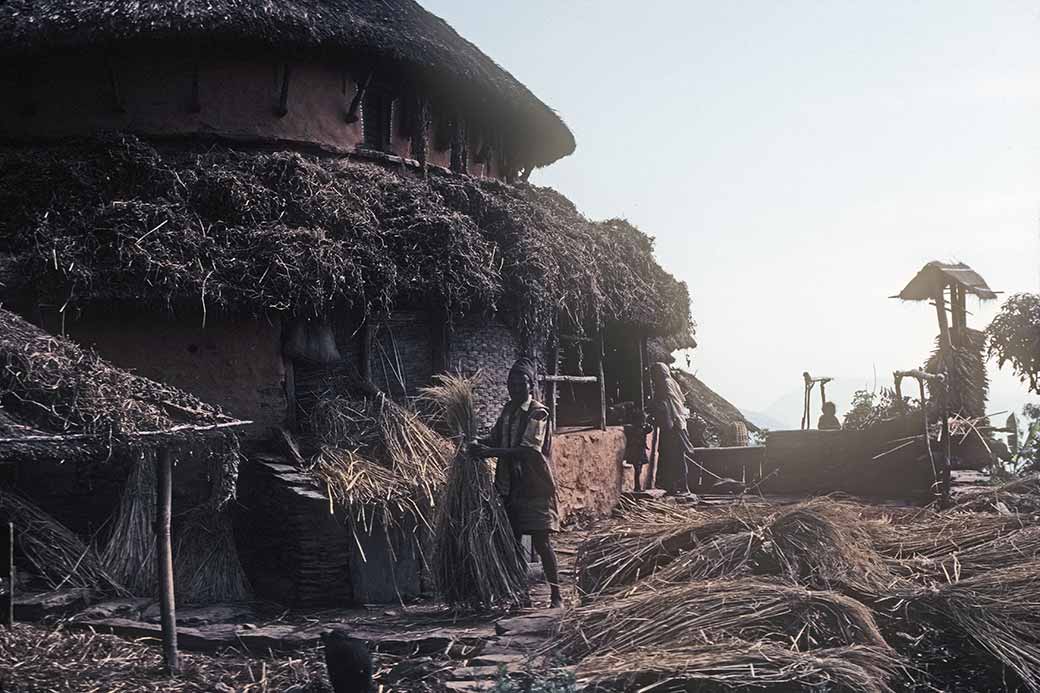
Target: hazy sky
(797,161)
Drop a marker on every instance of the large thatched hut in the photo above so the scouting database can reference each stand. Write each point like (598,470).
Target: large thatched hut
(263,203)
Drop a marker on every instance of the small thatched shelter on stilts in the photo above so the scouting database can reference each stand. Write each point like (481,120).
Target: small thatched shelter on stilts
(283,207)
(73,426)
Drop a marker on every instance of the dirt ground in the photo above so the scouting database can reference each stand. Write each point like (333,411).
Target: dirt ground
(429,649)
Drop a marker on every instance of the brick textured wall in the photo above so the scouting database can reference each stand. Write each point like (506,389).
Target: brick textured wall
(402,354)
(491,348)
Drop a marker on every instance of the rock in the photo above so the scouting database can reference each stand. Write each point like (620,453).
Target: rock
(118,608)
(58,603)
(485,672)
(493,660)
(469,686)
(204,615)
(527,625)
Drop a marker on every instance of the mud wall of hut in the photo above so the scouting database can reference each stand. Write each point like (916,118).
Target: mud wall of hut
(235,95)
(233,362)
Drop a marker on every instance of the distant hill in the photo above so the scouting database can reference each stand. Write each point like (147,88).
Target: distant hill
(764,420)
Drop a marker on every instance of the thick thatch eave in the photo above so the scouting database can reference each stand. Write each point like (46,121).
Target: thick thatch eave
(395,30)
(58,399)
(708,404)
(934,276)
(255,231)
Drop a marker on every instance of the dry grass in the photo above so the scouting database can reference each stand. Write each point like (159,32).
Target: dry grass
(205,559)
(34,659)
(477,561)
(820,543)
(739,665)
(130,552)
(58,555)
(710,611)
(998,611)
(934,535)
(377,459)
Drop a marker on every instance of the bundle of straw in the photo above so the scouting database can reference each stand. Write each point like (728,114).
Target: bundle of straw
(629,552)
(998,611)
(377,458)
(477,560)
(1015,547)
(1021,496)
(130,554)
(365,488)
(934,535)
(58,555)
(820,543)
(699,612)
(739,665)
(206,565)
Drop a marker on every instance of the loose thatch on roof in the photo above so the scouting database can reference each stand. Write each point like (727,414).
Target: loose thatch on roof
(935,275)
(708,404)
(417,43)
(118,219)
(59,398)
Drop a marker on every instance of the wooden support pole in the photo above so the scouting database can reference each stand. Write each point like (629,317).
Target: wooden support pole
(551,386)
(282,109)
(7,572)
(113,85)
(944,412)
(368,335)
(167,609)
(940,311)
(602,385)
(573,379)
(642,375)
(195,102)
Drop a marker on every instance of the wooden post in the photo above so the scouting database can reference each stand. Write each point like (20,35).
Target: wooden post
(602,386)
(368,334)
(167,609)
(282,109)
(7,572)
(944,412)
(940,311)
(551,387)
(642,375)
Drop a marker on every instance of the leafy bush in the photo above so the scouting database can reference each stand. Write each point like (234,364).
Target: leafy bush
(1014,337)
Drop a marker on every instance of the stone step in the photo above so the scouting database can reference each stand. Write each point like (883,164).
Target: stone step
(35,607)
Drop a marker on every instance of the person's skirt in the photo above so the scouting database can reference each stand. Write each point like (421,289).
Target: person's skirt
(528,515)
(671,460)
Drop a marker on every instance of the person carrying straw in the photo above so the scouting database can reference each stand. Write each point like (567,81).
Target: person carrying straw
(521,440)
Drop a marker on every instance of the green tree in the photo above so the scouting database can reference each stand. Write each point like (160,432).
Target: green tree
(1014,337)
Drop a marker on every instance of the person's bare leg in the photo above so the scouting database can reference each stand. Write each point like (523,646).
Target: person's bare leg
(543,546)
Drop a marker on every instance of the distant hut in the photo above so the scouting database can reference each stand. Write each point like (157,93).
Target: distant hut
(959,350)
(268,204)
(78,437)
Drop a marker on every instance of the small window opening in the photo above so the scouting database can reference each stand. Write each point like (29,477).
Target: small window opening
(377,118)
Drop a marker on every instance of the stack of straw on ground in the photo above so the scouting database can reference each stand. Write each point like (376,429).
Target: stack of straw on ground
(824,593)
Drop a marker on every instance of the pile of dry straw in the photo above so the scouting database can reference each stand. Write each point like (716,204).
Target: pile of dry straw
(825,594)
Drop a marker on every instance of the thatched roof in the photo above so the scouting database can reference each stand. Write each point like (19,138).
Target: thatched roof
(256,231)
(59,399)
(708,404)
(400,31)
(936,275)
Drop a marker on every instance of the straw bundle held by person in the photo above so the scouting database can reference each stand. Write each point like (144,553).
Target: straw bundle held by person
(477,561)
